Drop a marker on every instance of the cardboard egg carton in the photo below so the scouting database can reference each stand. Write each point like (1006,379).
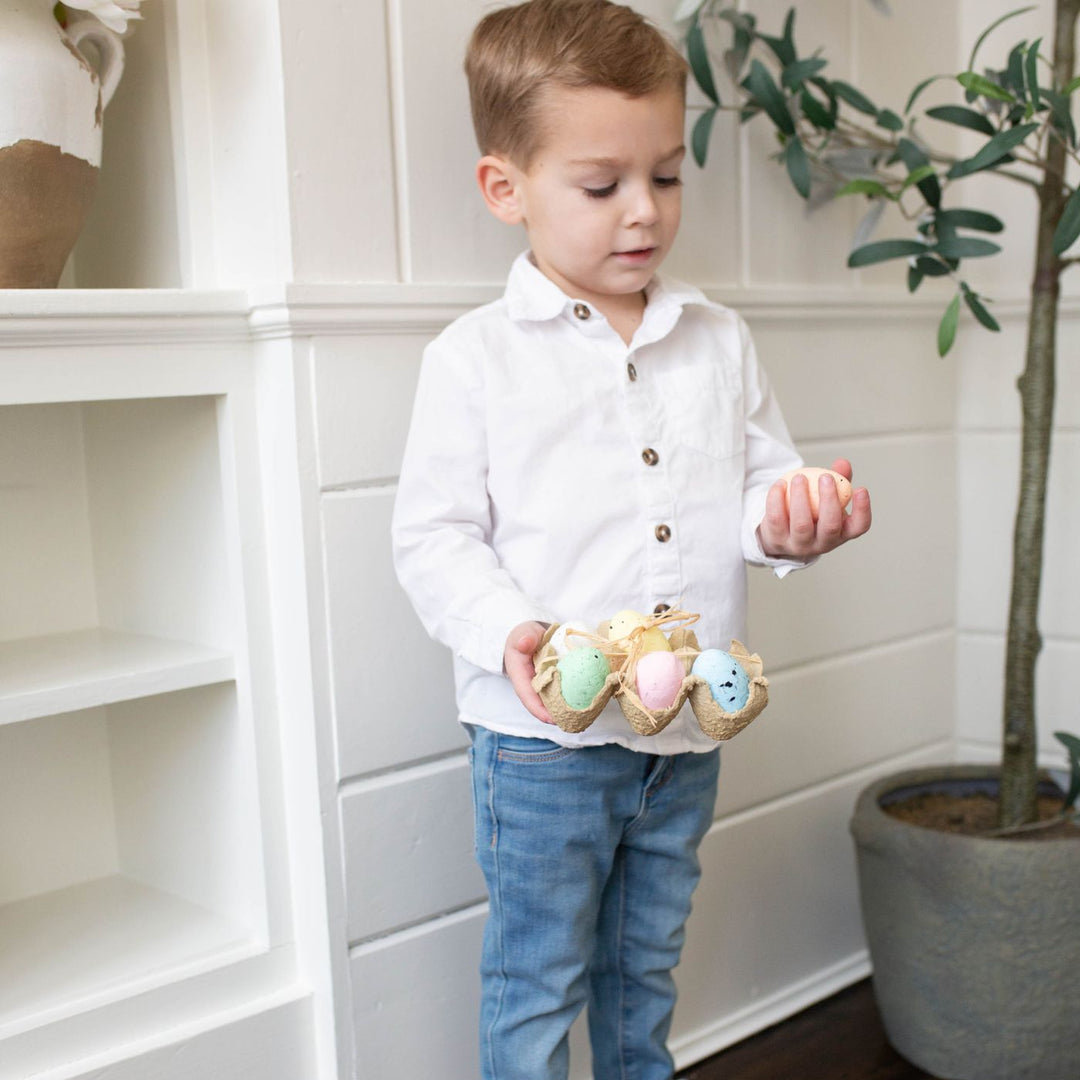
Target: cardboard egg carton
(621,684)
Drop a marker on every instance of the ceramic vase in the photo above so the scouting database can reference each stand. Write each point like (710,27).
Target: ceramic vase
(51,106)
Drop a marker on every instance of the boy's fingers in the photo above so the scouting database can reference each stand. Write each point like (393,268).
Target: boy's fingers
(858,521)
(800,514)
(830,513)
(843,467)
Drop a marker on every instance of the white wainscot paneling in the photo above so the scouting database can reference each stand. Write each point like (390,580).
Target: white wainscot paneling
(860,375)
(895,582)
(980,673)
(786,244)
(990,364)
(393,686)
(989,468)
(364,388)
(450,234)
(342,197)
(408,840)
(415,1001)
(776,923)
(831,718)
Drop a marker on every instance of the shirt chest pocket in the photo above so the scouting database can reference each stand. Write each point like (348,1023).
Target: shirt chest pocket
(704,407)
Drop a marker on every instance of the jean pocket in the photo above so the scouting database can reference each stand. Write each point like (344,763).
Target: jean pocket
(529,751)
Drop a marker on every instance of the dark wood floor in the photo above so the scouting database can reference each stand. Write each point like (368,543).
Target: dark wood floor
(838,1039)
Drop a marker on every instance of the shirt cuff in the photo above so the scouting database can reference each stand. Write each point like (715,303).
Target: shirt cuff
(780,566)
(499,614)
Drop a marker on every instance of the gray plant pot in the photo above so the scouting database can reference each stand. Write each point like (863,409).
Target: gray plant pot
(975,943)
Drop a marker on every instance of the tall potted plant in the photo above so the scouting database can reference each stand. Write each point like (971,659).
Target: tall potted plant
(951,950)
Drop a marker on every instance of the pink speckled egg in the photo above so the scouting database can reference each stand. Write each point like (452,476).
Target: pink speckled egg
(659,676)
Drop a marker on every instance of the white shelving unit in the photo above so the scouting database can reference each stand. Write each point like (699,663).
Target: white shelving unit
(143,870)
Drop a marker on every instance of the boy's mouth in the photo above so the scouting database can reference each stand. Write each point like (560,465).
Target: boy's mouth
(636,255)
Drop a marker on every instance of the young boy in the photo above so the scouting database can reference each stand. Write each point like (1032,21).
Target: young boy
(596,440)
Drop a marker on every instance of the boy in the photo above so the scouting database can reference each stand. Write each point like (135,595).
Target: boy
(596,440)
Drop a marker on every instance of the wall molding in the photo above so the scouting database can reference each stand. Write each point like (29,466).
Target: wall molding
(42,318)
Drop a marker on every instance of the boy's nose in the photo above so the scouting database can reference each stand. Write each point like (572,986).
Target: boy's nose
(643,210)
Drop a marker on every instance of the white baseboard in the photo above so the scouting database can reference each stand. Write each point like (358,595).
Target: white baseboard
(728,1030)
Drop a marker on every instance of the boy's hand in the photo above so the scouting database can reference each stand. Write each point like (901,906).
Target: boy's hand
(521,643)
(796,535)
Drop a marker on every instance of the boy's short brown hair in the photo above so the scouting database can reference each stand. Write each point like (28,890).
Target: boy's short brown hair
(516,52)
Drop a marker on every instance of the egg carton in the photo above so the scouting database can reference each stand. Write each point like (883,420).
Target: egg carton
(713,720)
(548,684)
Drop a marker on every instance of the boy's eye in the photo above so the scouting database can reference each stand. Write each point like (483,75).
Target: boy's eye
(600,193)
(667,181)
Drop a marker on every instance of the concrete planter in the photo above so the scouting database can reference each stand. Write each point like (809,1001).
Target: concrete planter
(975,943)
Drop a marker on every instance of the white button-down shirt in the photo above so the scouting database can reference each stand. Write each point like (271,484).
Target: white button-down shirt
(553,472)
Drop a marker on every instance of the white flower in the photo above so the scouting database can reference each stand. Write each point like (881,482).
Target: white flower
(115,14)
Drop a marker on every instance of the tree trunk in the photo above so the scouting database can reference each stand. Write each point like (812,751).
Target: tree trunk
(1019,766)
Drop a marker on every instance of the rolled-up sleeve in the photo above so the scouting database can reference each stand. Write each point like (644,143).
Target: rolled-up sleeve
(442,523)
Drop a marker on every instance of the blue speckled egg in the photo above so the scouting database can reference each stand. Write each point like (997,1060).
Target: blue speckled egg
(727,680)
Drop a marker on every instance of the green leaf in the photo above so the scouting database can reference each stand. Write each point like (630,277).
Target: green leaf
(962,117)
(1014,72)
(770,97)
(920,88)
(993,26)
(698,56)
(1068,228)
(970,219)
(782,49)
(855,98)
(932,267)
(914,278)
(881,250)
(1072,745)
(815,112)
(980,85)
(699,138)
(873,188)
(1071,85)
(1032,68)
(912,155)
(794,75)
(887,119)
(917,176)
(979,311)
(946,334)
(996,149)
(966,247)
(798,166)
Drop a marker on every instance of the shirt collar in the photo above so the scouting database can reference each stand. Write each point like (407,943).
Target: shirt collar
(533,297)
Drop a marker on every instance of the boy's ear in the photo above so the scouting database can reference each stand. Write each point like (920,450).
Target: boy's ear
(497,179)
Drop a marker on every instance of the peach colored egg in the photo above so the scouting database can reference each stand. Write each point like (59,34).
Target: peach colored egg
(813,476)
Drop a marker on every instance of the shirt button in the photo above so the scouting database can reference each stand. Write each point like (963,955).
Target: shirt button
(650,456)
(582,311)
(661,608)
(632,372)
(663,533)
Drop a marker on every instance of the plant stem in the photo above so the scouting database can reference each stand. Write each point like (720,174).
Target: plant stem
(1018,771)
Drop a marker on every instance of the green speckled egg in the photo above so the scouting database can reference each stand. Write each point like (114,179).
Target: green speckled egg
(583,673)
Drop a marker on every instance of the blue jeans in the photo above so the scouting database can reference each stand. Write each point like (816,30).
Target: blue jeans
(590,858)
